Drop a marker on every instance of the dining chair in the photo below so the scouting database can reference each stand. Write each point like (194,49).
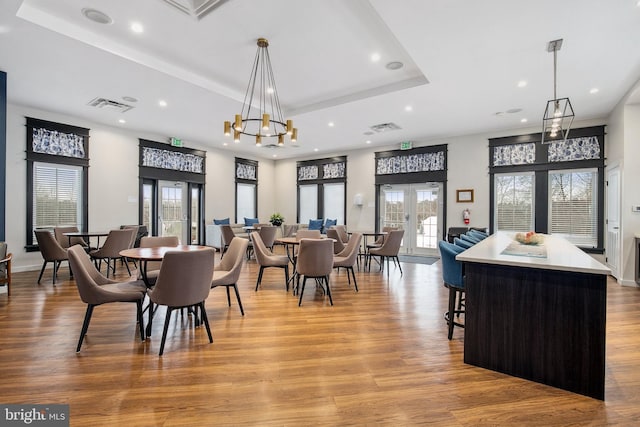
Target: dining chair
(470,238)
(453,278)
(289,230)
(153,267)
(342,232)
(388,250)
(184,281)
(116,241)
(381,238)
(227,236)
(268,236)
(348,257)
(477,234)
(315,260)
(63,240)
(51,251)
(338,245)
(5,267)
(96,289)
(308,234)
(228,271)
(267,259)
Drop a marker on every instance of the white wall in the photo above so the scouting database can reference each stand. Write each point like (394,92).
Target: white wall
(630,193)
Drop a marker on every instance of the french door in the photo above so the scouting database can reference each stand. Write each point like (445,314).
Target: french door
(416,208)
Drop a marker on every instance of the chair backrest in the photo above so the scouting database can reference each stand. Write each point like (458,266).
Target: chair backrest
(288,230)
(49,246)
(268,235)
(477,234)
(88,279)
(350,252)
(391,244)
(308,234)
(338,245)
(141,231)
(315,257)
(451,268)
(133,235)
(155,242)
(227,234)
(63,240)
(233,259)
(470,238)
(184,278)
(462,243)
(386,229)
(261,251)
(116,241)
(3,264)
(342,232)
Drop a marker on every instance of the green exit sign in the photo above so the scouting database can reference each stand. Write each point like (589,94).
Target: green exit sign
(406,145)
(175,142)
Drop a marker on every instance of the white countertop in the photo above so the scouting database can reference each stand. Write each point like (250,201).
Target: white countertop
(561,255)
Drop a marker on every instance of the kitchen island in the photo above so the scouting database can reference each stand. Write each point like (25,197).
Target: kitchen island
(536,314)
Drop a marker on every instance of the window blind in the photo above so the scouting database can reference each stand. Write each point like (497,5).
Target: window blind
(57,195)
(573,206)
(514,202)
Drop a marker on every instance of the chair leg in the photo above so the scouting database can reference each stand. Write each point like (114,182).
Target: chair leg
(140,318)
(452,305)
(286,276)
(235,288)
(301,290)
(353,273)
(85,325)
(56,265)
(126,264)
(259,277)
(395,258)
(326,279)
(167,318)
(44,264)
(205,319)
(228,297)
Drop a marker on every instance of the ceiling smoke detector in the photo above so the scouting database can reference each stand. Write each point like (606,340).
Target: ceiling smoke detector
(108,104)
(96,16)
(197,9)
(385,127)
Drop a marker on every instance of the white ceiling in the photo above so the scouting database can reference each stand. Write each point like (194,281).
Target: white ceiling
(462,62)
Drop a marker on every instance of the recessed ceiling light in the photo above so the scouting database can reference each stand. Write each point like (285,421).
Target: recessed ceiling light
(408,108)
(269,90)
(275,155)
(129,99)
(4,29)
(331,124)
(594,90)
(96,16)
(315,149)
(225,143)
(368,141)
(523,120)
(522,83)
(394,65)
(137,27)
(375,57)
(122,121)
(162,103)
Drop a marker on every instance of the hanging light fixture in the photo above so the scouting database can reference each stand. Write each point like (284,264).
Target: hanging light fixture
(261,115)
(558,116)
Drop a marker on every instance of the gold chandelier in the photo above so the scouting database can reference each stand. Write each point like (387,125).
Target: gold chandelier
(261,115)
(558,115)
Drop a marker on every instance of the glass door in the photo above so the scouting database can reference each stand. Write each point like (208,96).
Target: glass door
(173,212)
(418,210)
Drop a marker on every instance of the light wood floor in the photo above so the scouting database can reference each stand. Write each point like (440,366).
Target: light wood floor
(377,357)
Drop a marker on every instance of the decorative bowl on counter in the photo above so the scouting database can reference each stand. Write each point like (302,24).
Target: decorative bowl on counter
(529,238)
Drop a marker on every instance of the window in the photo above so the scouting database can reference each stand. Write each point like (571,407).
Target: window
(554,188)
(573,210)
(322,187)
(246,189)
(513,202)
(57,163)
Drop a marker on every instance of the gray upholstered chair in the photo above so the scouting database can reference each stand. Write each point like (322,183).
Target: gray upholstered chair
(227,237)
(5,267)
(228,271)
(268,236)
(153,267)
(63,240)
(266,259)
(308,234)
(381,238)
(348,257)
(116,241)
(51,252)
(388,250)
(95,289)
(315,260)
(338,245)
(184,281)
(342,232)
(289,230)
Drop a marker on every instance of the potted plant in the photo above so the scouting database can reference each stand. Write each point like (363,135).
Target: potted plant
(276,219)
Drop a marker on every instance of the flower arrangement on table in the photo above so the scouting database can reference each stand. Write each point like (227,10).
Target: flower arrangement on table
(276,219)
(530,238)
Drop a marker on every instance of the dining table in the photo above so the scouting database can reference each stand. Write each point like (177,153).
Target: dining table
(365,236)
(88,235)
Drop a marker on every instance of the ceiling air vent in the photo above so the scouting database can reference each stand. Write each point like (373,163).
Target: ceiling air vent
(385,127)
(107,104)
(197,9)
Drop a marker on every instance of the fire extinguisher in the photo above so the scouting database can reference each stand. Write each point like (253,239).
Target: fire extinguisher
(466,216)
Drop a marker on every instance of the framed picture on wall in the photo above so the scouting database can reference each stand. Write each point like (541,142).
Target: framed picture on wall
(464,196)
